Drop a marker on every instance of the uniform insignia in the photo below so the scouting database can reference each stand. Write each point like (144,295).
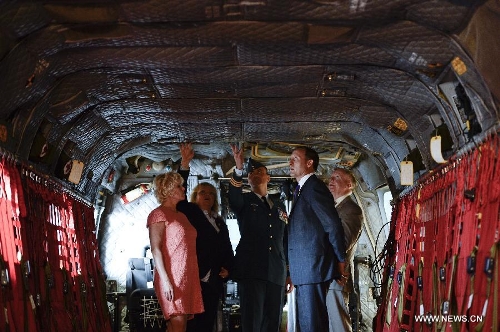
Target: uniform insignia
(283,216)
(235,182)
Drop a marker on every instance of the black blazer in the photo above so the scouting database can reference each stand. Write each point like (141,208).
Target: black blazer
(213,249)
(315,235)
(261,251)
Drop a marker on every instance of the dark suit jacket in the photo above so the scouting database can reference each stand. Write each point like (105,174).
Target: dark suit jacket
(213,249)
(352,221)
(261,251)
(315,235)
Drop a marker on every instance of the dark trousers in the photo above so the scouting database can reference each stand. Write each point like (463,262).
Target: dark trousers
(205,321)
(312,314)
(261,305)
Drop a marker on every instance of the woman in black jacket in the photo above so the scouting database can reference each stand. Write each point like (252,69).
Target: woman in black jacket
(213,246)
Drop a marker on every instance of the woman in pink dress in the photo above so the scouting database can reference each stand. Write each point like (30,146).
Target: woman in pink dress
(173,245)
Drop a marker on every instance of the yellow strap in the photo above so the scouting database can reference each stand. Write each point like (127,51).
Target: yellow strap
(388,309)
(451,294)
(420,295)
(435,287)
(401,294)
(480,326)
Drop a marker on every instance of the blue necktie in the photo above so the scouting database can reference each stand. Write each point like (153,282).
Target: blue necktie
(296,192)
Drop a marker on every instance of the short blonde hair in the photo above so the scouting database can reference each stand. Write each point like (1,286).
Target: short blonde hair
(194,195)
(165,184)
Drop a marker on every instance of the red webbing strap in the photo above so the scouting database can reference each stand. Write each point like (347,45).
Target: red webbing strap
(488,198)
(465,226)
(83,301)
(436,201)
(442,254)
(421,307)
(436,302)
(27,267)
(495,168)
(33,233)
(384,313)
(92,280)
(5,296)
(28,300)
(5,291)
(468,285)
(383,316)
(69,304)
(428,256)
(495,291)
(8,226)
(492,278)
(404,215)
(62,305)
(49,319)
(406,291)
(488,170)
(69,266)
(94,274)
(440,293)
(42,244)
(450,297)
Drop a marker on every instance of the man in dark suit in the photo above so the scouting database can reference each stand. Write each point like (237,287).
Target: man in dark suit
(341,185)
(316,247)
(260,262)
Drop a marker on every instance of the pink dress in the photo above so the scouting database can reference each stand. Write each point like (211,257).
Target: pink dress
(179,252)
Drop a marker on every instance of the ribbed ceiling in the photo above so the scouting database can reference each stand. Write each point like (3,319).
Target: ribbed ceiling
(103,81)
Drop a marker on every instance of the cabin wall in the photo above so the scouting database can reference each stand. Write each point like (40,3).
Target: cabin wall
(450,215)
(445,222)
(51,278)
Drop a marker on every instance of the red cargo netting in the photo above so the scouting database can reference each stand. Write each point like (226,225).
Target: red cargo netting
(51,274)
(446,249)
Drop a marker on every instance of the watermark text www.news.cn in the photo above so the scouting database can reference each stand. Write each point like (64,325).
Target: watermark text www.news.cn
(448,319)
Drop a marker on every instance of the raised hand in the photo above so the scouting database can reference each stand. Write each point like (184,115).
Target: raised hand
(187,154)
(238,156)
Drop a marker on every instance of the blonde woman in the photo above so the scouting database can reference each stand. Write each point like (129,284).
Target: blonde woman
(173,246)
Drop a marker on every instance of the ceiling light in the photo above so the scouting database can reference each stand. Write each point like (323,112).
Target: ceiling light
(333,93)
(340,77)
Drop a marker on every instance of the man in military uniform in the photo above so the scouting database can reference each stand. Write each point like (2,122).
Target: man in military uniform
(260,265)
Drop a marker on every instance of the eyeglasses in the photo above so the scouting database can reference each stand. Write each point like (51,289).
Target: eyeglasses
(206,192)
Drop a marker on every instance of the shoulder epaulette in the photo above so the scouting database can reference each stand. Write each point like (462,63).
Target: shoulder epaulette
(235,183)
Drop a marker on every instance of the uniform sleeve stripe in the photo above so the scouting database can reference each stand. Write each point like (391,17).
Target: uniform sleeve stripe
(236,183)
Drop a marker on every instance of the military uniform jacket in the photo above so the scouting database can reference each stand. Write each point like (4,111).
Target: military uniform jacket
(260,253)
